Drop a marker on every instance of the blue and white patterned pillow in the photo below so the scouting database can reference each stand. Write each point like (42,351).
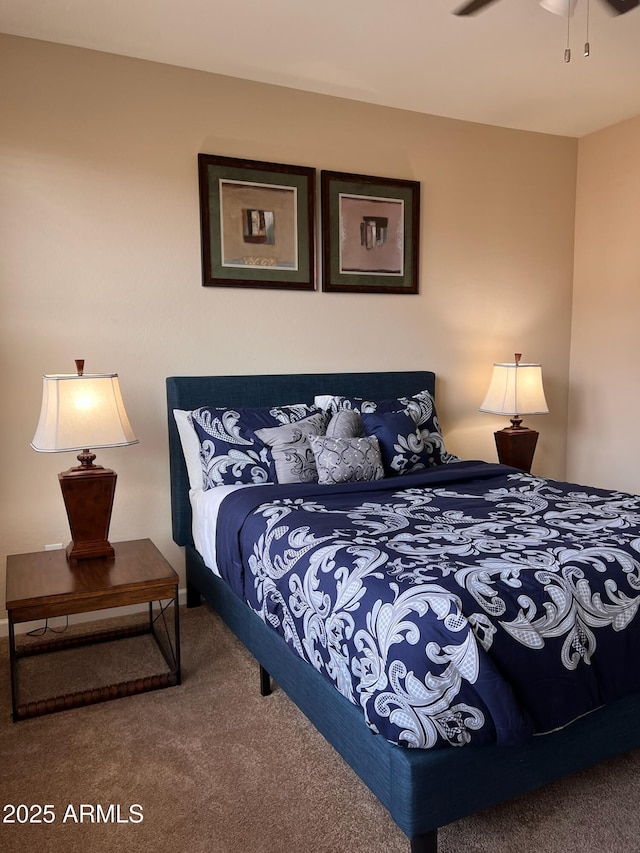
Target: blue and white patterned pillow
(401,442)
(421,407)
(230,452)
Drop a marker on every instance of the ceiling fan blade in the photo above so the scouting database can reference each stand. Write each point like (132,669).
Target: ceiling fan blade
(475,6)
(622,6)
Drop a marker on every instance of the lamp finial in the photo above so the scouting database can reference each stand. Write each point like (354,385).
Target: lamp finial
(80,366)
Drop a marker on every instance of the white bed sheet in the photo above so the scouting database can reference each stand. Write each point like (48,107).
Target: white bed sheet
(205,506)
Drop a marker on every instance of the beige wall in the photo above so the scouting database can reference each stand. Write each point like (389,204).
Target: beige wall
(100,259)
(605,347)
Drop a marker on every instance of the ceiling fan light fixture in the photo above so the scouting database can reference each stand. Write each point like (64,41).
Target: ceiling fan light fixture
(566,8)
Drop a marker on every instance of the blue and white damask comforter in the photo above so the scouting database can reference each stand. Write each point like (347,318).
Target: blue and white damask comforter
(469,603)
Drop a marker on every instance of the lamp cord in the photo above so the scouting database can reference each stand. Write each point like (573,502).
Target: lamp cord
(39,632)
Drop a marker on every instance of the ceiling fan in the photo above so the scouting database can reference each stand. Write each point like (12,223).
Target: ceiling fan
(558,7)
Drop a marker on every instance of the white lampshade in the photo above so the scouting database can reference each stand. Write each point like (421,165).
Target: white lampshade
(82,412)
(560,7)
(516,389)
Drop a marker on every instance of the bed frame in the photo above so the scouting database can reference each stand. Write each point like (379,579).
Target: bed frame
(422,789)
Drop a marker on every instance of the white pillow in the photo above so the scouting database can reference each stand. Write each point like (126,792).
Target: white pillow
(323,401)
(190,447)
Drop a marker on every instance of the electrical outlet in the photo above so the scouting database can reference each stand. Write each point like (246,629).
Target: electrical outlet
(56,547)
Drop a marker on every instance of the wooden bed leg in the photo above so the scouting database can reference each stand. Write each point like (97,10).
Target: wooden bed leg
(193,596)
(425,843)
(265,682)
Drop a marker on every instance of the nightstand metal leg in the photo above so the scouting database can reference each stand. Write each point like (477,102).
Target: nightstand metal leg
(176,628)
(170,650)
(12,665)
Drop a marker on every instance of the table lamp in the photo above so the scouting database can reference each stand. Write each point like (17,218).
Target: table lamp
(516,390)
(79,412)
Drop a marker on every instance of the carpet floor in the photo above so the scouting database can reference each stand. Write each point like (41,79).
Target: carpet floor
(210,766)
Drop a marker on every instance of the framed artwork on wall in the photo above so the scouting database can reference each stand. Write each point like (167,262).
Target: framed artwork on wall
(371,232)
(257,223)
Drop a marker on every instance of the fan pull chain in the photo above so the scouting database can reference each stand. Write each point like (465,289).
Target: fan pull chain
(587,46)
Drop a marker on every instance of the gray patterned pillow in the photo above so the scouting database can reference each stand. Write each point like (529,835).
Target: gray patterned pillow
(289,444)
(346,460)
(345,424)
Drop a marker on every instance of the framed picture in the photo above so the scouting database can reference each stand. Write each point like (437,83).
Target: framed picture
(257,223)
(370,229)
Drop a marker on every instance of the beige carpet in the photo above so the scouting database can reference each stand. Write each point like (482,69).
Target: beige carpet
(217,768)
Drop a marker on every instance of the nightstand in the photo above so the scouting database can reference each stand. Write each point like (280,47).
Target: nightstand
(44,584)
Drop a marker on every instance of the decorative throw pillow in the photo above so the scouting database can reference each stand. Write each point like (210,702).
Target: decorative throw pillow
(401,442)
(292,455)
(230,452)
(346,460)
(345,424)
(421,407)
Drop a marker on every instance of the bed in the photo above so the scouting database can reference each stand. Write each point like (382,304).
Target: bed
(422,788)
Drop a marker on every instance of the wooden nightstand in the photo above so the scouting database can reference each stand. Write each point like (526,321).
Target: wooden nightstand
(43,585)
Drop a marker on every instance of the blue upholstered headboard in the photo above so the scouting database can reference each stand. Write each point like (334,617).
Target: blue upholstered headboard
(190,392)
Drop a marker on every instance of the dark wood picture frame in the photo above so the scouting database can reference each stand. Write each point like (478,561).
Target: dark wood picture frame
(371,233)
(257,223)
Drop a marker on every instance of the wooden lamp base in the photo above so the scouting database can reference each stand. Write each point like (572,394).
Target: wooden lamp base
(88,493)
(516,446)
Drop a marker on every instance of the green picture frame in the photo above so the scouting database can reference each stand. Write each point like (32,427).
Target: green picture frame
(371,233)
(257,223)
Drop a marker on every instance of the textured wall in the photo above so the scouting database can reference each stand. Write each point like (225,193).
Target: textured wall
(605,346)
(100,259)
